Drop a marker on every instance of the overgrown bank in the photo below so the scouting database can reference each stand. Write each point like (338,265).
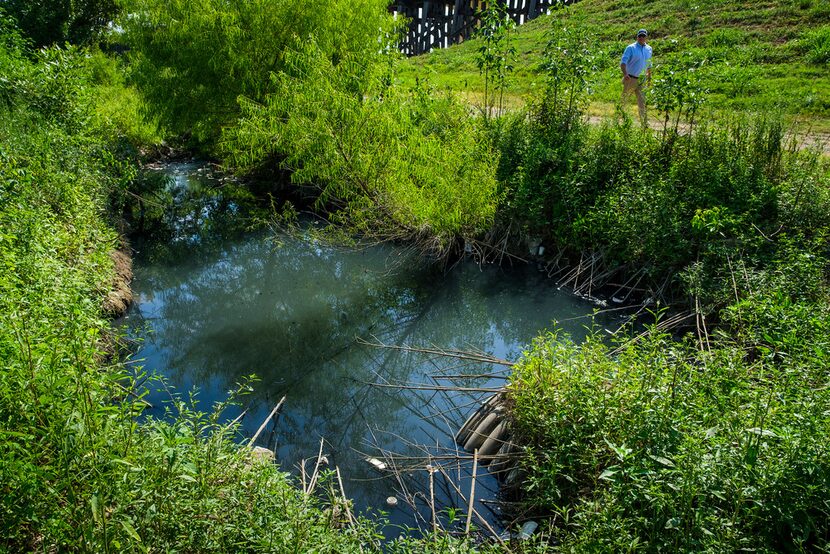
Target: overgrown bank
(77,472)
(712,443)
(715,443)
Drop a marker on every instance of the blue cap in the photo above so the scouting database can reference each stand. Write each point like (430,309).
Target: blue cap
(642,33)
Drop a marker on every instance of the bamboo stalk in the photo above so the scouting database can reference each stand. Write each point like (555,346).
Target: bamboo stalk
(238,418)
(343,494)
(313,482)
(474,511)
(431,471)
(460,376)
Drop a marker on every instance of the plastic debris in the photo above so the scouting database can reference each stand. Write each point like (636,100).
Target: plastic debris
(380,466)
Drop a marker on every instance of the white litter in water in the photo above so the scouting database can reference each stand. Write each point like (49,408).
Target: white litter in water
(377,463)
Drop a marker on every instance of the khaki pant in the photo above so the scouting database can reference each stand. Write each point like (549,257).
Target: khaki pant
(633,85)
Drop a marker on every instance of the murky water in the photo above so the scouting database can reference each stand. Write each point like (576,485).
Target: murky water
(216,303)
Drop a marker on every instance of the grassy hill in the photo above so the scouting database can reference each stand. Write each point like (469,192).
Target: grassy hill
(756,55)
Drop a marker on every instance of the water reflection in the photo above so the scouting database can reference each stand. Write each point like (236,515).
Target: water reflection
(216,303)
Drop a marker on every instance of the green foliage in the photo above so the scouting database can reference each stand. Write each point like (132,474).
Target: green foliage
(77,470)
(53,85)
(119,111)
(392,164)
(667,447)
(495,55)
(194,59)
(569,62)
(679,91)
(55,22)
(539,151)
(690,205)
(816,43)
(12,46)
(71,87)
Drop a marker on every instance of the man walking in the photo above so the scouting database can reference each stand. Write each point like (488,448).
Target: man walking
(635,60)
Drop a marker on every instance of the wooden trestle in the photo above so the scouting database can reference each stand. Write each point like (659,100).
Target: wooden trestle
(437,24)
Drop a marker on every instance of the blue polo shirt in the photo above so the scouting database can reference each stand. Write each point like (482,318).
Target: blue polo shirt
(636,58)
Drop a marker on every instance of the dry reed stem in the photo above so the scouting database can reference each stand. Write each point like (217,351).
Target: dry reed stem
(313,482)
(267,419)
(472,493)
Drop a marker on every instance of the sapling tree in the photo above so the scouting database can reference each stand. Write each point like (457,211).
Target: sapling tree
(495,55)
(570,60)
(679,91)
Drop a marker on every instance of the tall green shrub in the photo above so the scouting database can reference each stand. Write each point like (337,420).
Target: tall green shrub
(664,447)
(194,59)
(392,164)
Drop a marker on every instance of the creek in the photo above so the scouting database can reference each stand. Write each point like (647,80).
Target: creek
(216,302)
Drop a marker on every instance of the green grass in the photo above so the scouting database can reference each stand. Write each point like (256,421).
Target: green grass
(760,55)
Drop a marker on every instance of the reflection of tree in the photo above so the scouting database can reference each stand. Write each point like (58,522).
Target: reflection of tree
(187,206)
(219,308)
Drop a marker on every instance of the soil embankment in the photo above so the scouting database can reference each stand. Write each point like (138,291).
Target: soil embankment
(120,295)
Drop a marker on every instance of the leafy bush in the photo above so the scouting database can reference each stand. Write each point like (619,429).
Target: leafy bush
(394,164)
(667,447)
(538,153)
(194,59)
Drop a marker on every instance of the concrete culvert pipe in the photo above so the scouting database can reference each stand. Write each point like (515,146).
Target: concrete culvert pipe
(503,458)
(475,418)
(482,431)
(493,443)
(471,423)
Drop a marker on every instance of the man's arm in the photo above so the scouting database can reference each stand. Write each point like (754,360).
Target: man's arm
(625,57)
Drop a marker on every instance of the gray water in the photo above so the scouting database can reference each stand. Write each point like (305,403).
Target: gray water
(215,303)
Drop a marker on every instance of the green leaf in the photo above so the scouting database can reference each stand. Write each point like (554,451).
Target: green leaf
(673,523)
(96,511)
(762,432)
(661,460)
(609,473)
(131,530)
